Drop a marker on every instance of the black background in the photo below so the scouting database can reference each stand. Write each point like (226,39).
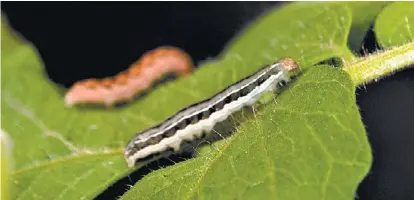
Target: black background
(79,40)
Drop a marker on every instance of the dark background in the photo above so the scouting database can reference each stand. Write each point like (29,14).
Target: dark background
(79,40)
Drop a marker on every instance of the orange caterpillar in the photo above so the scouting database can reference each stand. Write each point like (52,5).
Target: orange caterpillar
(152,66)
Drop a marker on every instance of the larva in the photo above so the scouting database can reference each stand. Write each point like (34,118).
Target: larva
(189,123)
(152,66)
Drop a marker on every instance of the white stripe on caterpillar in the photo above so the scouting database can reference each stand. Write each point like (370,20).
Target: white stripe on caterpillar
(190,123)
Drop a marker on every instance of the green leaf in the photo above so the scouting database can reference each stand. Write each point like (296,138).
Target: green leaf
(306,32)
(262,158)
(364,14)
(4,165)
(56,152)
(310,145)
(76,153)
(395,25)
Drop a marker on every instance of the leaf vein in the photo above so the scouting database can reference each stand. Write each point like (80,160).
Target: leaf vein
(328,157)
(25,112)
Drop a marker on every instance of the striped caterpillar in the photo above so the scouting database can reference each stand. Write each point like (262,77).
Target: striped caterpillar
(192,122)
(152,66)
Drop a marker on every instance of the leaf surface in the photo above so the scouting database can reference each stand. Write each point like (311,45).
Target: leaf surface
(310,145)
(395,25)
(76,153)
(364,14)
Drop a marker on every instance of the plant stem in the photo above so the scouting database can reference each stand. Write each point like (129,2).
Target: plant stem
(378,65)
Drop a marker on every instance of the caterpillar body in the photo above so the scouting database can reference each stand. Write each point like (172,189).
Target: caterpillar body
(123,87)
(191,122)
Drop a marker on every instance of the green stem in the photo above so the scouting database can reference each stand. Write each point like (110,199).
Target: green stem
(378,65)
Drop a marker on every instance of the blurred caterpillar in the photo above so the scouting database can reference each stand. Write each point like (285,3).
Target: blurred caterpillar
(123,87)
